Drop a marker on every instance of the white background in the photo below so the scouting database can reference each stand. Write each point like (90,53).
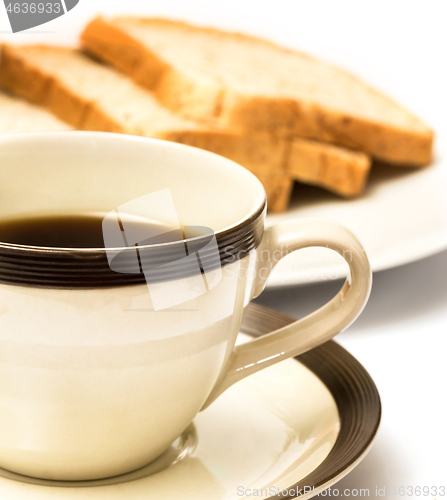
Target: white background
(401,47)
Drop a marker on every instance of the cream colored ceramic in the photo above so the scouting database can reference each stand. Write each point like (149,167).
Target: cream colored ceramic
(280,430)
(271,429)
(95,383)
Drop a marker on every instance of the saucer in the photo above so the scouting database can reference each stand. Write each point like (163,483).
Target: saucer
(305,422)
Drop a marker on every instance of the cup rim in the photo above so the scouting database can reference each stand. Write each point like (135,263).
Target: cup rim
(72,268)
(249,218)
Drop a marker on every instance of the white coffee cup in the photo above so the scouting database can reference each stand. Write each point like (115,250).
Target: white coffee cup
(94,381)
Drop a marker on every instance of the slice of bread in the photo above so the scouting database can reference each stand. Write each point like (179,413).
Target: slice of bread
(91,96)
(278,189)
(333,168)
(241,82)
(17,115)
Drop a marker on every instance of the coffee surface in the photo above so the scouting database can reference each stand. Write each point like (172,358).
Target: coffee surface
(82,231)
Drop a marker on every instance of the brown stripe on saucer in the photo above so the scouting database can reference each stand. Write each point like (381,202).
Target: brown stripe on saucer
(353,389)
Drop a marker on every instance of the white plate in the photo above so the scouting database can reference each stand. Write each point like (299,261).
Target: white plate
(401,218)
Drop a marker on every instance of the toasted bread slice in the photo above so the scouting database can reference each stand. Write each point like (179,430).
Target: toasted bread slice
(241,82)
(333,168)
(278,189)
(17,115)
(91,96)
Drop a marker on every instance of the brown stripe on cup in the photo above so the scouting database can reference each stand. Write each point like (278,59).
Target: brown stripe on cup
(90,268)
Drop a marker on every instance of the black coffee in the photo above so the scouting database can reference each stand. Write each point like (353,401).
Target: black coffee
(83,231)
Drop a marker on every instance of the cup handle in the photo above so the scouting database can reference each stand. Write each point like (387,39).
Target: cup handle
(319,326)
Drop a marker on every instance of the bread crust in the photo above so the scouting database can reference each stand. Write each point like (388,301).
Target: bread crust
(346,174)
(279,191)
(106,41)
(266,155)
(213,103)
(175,90)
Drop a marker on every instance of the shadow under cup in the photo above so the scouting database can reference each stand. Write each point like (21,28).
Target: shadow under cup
(98,378)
